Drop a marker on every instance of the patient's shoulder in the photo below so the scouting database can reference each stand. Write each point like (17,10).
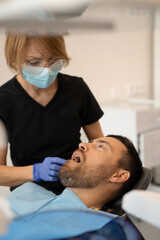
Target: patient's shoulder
(27,189)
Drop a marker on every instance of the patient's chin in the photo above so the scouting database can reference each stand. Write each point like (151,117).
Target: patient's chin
(69,177)
(75,178)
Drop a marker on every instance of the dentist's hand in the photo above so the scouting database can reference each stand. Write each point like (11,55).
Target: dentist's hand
(47,170)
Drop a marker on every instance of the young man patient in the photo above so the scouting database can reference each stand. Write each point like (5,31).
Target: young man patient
(98,172)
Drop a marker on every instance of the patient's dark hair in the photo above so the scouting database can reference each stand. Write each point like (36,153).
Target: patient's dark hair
(129,161)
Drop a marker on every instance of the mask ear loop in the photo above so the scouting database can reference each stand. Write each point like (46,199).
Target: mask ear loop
(3,135)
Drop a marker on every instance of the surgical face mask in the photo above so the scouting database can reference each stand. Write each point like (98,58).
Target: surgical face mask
(41,77)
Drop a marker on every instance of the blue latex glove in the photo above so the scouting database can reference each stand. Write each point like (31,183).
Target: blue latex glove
(47,170)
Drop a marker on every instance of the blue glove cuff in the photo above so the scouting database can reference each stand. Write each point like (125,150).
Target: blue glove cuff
(36,169)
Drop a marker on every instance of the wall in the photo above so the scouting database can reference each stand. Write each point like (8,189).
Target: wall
(114,65)
(6,74)
(156,56)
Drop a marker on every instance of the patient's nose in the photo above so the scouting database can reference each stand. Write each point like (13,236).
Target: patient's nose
(83,146)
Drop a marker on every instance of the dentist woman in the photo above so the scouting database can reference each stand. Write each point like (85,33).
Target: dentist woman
(42,112)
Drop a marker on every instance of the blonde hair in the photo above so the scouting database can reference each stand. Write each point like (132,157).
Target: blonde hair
(16,45)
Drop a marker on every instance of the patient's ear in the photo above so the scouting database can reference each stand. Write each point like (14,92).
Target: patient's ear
(120,176)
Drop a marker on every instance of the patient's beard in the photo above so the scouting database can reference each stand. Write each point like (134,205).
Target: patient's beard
(84,176)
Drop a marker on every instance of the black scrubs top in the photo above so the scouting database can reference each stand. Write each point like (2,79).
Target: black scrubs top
(36,132)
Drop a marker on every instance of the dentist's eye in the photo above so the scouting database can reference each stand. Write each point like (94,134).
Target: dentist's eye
(34,63)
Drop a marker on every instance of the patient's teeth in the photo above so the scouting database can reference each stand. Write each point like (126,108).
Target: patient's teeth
(77,158)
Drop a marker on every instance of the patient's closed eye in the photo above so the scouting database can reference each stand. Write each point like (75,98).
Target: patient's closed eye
(101,146)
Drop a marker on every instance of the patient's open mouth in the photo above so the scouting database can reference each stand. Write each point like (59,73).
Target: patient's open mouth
(76,157)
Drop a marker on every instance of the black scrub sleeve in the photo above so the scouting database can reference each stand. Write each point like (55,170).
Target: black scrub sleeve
(2,115)
(91,111)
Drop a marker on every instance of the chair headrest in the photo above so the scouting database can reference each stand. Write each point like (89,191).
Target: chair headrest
(145,179)
(142,184)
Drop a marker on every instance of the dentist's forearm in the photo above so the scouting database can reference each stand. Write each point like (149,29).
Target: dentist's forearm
(13,176)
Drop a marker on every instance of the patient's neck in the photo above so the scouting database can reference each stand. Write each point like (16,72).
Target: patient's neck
(92,198)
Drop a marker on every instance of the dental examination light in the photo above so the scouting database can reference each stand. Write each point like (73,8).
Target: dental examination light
(6,215)
(47,16)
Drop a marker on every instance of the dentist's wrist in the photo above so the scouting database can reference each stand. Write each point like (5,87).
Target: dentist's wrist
(36,172)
